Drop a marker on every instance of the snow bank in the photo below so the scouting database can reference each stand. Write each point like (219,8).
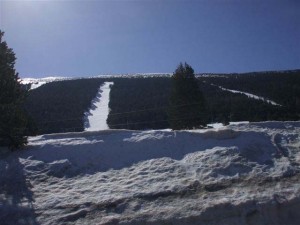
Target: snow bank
(221,125)
(97,115)
(240,174)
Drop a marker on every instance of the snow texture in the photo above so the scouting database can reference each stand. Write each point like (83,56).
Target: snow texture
(97,115)
(241,174)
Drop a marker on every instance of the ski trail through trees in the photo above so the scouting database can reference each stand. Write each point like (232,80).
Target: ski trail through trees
(97,115)
(248,95)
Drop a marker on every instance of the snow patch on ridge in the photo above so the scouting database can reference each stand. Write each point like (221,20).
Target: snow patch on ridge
(37,82)
(97,115)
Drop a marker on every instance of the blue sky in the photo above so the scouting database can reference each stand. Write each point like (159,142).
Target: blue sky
(83,38)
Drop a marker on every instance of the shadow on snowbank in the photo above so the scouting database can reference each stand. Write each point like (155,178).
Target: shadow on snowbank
(16,198)
(90,152)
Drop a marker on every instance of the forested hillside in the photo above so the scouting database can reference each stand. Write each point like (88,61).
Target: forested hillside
(142,103)
(282,87)
(224,106)
(139,103)
(60,106)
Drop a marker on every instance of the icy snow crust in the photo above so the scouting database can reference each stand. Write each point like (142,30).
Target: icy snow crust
(97,115)
(241,174)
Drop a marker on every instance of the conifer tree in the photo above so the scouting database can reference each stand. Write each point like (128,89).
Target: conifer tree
(13,120)
(187,106)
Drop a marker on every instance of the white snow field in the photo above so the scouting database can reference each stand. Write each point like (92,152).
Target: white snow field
(240,174)
(97,115)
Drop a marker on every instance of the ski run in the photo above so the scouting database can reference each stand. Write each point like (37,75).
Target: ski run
(248,95)
(97,115)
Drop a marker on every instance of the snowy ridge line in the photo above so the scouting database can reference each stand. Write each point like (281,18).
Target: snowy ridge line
(134,75)
(37,82)
(129,75)
(53,78)
(249,95)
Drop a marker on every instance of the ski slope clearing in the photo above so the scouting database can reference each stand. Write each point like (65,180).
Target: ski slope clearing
(248,95)
(97,116)
(240,174)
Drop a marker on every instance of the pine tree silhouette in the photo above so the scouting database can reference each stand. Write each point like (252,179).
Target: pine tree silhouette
(187,105)
(13,120)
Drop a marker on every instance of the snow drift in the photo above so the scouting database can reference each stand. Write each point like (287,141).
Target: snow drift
(240,174)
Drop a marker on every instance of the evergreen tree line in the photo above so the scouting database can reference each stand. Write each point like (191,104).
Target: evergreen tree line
(282,87)
(13,118)
(60,106)
(220,106)
(139,103)
(144,103)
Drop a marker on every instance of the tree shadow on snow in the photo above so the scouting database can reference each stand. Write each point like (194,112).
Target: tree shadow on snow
(16,198)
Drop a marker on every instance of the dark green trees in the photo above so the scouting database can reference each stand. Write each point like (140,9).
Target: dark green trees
(12,118)
(187,107)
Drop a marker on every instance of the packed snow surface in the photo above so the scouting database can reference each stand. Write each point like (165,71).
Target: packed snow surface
(240,174)
(97,115)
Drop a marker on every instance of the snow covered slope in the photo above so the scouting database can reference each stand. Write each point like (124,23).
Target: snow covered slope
(97,115)
(240,174)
